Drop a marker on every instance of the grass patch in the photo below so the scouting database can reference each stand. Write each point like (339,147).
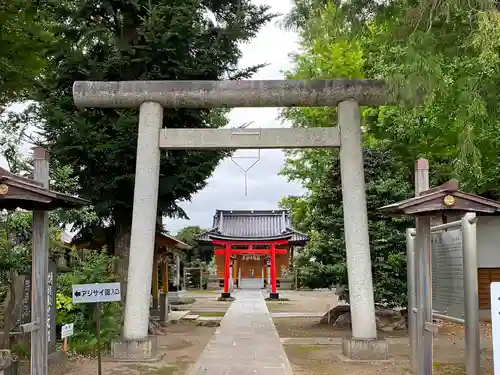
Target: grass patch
(211,313)
(304,349)
(449,368)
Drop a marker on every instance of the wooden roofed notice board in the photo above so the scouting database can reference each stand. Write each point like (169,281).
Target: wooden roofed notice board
(21,313)
(448,296)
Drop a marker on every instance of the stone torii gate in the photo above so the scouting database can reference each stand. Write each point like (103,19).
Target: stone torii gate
(152,96)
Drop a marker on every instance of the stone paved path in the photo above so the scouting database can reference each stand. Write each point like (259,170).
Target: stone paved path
(246,343)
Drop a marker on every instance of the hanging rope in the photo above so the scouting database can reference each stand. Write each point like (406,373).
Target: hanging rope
(255,158)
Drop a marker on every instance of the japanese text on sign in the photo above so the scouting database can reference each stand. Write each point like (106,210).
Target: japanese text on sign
(67,330)
(92,293)
(251,257)
(50,282)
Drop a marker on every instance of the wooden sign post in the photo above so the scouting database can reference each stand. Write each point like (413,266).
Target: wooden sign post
(97,293)
(40,271)
(67,330)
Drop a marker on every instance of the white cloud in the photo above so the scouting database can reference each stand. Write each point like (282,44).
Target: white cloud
(226,188)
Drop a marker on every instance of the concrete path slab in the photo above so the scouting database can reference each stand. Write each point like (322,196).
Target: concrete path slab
(246,343)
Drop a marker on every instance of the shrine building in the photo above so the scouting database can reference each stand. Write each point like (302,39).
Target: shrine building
(252,249)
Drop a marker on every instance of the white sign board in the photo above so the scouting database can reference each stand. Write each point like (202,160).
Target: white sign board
(93,293)
(67,330)
(447,273)
(495,324)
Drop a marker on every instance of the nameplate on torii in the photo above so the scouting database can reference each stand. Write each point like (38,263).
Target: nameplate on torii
(250,257)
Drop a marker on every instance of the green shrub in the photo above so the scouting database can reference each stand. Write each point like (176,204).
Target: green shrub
(94,267)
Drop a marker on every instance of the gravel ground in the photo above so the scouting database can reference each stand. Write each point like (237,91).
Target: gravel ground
(304,302)
(182,344)
(322,359)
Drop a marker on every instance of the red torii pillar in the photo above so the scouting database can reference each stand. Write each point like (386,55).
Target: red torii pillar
(273,294)
(227,270)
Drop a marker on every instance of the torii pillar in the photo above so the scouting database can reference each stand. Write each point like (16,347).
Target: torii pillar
(152,96)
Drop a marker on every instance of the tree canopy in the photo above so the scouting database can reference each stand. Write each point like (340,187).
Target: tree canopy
(24,37)
(198,253)
(438,58)
(135,40)
(323,263)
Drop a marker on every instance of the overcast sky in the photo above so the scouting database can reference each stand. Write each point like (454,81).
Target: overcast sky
(226,187)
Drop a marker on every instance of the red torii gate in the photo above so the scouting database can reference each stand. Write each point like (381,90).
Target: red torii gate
(228,251)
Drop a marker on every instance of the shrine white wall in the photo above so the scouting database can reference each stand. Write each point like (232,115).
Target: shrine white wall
(488,242)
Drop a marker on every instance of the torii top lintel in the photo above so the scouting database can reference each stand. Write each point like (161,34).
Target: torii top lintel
(226,245)
(230,94)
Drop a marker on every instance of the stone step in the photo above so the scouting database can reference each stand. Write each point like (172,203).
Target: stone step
(175,316)
(190,317)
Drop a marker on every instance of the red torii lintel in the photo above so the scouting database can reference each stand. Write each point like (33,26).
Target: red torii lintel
(252,251)
(227,251)
(249,242)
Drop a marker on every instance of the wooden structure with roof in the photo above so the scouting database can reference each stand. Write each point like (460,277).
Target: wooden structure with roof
(443,200)
(28,194)
(35,195)
(448,204)
(165,246)
(259,244)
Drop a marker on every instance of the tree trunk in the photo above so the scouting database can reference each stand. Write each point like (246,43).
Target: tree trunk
(159,223)
(123,227)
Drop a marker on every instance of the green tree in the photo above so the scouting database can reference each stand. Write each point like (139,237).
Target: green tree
(299,210)
(24,37)
(13,132)
(15,237)
(15,258)
(323,264)
(137,40)
(190,234)
(442,55)
(328,52)
(198,253)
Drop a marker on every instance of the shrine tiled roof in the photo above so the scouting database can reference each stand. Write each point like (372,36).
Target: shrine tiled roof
(253,225)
